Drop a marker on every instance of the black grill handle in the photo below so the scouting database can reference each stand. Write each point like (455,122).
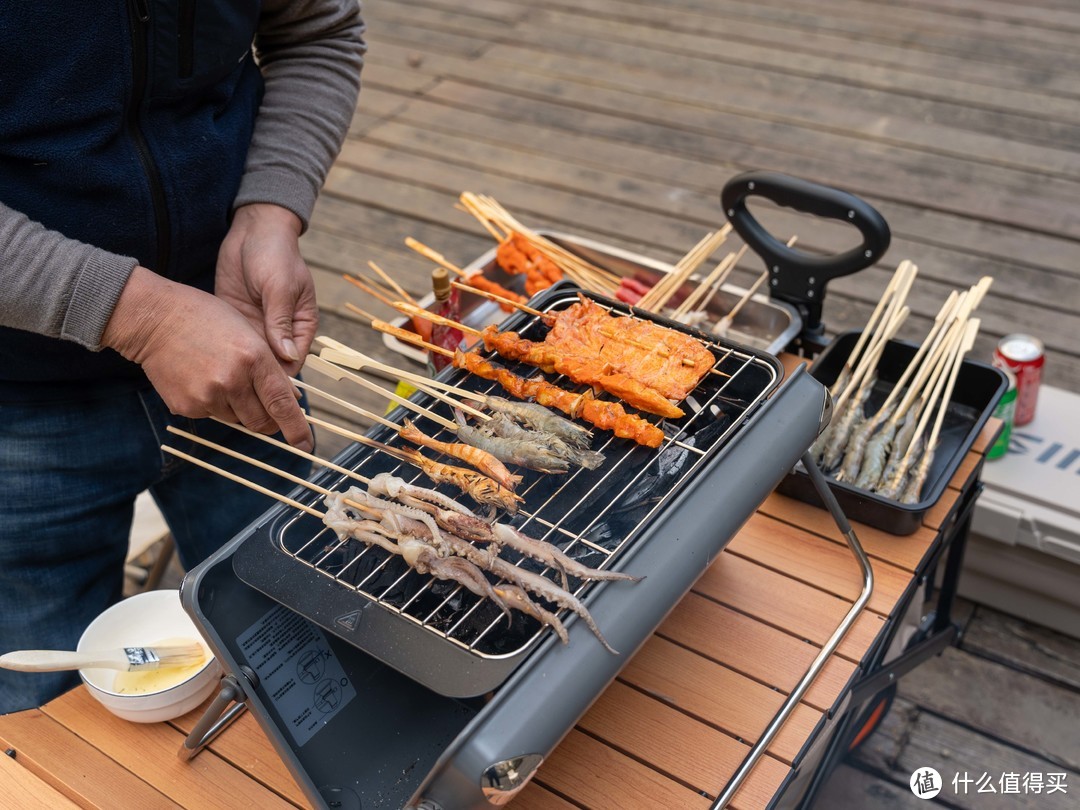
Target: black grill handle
(798,277)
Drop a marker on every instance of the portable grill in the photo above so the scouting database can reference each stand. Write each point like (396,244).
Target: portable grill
(383,688)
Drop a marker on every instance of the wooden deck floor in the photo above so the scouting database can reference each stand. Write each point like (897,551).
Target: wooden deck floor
(620,120)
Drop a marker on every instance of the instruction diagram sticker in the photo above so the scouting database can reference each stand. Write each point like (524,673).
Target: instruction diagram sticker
(298,669)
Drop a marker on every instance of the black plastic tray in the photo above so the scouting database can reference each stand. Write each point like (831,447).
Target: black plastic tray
(978,388)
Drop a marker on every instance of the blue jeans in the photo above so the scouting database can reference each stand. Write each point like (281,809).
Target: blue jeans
(69,475)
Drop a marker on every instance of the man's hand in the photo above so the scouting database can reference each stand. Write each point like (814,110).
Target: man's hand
(203,357)
(260,272)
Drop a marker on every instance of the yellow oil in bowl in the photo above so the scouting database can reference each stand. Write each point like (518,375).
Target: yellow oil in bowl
(144,682)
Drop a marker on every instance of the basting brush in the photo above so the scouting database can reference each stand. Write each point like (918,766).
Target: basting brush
(128,659)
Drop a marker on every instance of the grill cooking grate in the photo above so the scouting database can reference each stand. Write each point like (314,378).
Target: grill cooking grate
(592,515)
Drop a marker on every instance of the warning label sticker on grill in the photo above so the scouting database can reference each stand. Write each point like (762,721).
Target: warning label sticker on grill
(298,670)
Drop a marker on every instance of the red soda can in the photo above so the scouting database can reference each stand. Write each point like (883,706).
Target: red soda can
(1024,356)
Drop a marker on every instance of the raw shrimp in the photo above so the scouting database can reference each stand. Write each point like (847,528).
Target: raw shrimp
(517,451)
(540,418)
(502,426)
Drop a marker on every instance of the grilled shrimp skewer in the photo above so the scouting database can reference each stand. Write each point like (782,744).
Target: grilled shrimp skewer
(540,418)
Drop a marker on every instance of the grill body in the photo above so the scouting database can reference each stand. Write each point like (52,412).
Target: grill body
(393,742)
(448,639)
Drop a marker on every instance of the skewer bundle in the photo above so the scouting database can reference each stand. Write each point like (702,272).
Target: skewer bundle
(885,450)
(502,225)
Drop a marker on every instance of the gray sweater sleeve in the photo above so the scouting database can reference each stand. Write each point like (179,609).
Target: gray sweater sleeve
(56,286)
(310,52)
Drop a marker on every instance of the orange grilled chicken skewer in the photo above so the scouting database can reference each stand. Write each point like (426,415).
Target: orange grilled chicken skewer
(599,413)
(578,367)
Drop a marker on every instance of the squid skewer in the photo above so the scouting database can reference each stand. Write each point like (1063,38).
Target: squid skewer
(463,523)
(487,560)
(415,523)
(418,555)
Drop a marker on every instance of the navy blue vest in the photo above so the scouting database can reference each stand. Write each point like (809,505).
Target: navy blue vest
(123,124)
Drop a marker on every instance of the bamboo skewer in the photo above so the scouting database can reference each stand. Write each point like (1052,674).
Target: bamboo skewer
(402,334)
(932,347)
(419,382)
(496,297)
(708,287)
(662,291)
(262,465)
(361,284)
(245,482)
(342,355)
(724,324)
(435,256)
(586,275)
(934,389)
(393,284)
(322,462)
(883,303)
(967,341)
(334,372)
(863,371)
(467,203)
(930,342)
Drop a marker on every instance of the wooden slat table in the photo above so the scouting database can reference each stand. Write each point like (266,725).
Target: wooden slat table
(669,732)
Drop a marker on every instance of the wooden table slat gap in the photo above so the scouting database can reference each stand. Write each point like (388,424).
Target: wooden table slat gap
(800,580)
(651,766)
(773,625)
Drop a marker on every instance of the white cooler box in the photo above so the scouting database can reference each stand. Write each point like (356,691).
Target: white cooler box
(1023,556)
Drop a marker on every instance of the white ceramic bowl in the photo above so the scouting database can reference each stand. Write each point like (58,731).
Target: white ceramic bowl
(139,621)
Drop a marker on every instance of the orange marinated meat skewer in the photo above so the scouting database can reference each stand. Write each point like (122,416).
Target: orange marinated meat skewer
(666,360)
(599,413)
(481,282)
(581,369)
(518,256)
